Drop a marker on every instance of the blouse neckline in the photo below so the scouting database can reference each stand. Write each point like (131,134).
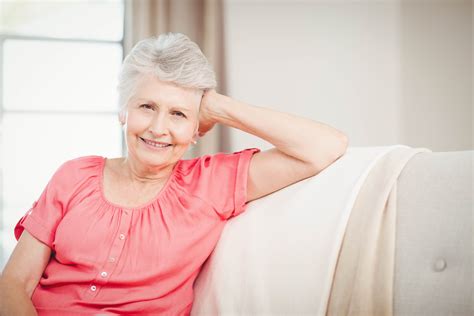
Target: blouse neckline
(141,206)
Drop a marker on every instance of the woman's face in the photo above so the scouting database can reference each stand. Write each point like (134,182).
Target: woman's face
(161,121)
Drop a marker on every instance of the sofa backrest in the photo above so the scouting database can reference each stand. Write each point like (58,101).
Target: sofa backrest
(434,248)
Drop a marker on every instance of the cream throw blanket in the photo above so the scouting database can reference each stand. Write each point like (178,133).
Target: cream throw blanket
(363,280)
(295,252)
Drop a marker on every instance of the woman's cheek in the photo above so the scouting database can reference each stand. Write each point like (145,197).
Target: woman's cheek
(143,123)
(184,132)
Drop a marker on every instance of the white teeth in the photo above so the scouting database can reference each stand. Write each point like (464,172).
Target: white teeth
(155,144)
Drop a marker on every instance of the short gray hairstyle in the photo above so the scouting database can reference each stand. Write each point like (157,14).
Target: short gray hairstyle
(171,57)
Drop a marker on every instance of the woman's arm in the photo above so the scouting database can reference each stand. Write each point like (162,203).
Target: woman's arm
(21,276)
(302,147)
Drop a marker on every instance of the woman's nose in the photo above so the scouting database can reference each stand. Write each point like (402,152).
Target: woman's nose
(159,125)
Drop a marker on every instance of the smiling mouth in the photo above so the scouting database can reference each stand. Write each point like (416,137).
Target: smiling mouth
(155,144)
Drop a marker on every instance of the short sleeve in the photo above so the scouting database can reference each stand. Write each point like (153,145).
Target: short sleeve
(221,180)
(43,217)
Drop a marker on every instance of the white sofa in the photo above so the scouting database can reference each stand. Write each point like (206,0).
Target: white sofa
(434,239)
(433,265)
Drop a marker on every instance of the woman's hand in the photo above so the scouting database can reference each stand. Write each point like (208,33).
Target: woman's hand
(208,107)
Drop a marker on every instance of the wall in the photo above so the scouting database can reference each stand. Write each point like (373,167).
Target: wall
(384,72)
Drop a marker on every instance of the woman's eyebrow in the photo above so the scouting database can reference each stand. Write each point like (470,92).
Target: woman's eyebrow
(146,100)
(180,108)
(173,107)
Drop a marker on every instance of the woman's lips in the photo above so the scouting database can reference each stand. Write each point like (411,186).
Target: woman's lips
(154,145)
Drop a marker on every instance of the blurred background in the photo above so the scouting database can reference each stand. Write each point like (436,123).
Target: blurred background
(384,72)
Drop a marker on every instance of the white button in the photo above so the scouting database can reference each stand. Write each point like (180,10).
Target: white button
(93,288)
(122,236)
(103,274)
(111,259)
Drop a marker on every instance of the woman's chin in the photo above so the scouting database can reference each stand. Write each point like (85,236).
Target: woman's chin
(156,158)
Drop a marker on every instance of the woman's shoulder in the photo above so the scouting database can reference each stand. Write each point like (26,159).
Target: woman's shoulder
(80,167)
(86,159)
(213,164)
(190,165)
(217,157)
(83,161)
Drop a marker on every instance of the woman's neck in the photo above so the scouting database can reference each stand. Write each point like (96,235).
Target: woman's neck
(137,173)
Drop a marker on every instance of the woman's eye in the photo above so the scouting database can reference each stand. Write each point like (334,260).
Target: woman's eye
(179,114)
(146,107)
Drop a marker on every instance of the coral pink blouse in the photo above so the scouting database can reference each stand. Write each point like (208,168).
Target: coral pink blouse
(110,259)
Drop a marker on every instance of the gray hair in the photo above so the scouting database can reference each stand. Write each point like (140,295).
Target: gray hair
(171,57)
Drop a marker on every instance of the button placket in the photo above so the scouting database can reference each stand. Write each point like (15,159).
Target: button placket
(118,244)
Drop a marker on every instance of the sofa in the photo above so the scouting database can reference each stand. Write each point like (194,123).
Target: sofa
(434,239)
(258,268)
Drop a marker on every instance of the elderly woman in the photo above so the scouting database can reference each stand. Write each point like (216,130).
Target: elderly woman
(129,235)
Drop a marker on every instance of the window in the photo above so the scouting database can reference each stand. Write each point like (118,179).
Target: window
(59,63)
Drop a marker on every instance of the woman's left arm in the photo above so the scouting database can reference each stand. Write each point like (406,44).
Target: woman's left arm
(302,147)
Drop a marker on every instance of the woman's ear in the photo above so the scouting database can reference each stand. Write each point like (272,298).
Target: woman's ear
(122,116)
(195,137)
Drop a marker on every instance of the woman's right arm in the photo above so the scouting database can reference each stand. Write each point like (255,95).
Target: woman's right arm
(21,275)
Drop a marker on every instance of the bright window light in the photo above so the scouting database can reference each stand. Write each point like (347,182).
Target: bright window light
(59,64)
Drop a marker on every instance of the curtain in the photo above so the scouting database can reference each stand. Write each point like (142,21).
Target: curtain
(202,22)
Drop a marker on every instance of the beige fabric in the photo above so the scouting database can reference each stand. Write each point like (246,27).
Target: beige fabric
(201,21)
(363,280)
(279,256)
